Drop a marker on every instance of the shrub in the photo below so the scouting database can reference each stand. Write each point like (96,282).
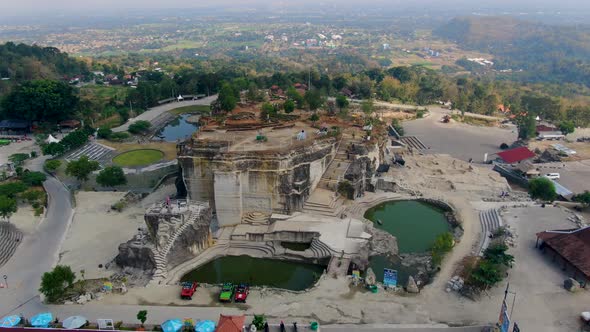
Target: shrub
(139,127)
(11,189)
(18,158)
(419,114)
(104,133)
(33,178)
(346,189)
(33,195)
(118,137)
(442,245)
(142,316)
(259,321)
(111,176)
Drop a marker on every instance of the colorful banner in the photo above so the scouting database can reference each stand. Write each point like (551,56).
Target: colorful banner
(390,277)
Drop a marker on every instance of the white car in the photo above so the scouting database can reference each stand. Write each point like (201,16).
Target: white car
(552,176)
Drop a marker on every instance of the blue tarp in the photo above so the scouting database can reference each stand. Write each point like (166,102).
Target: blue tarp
(172,325)
(42,319)
(10,321)
(205,326)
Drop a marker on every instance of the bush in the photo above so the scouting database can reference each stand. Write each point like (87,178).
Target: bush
(18,158)
(419,114)
(33,178)
(119,137)
(33,195)
(54,283)
(111,176)
(104,133)
(52,165)
(259,321)
(346,189)
(486,274)
(139,127)
(442,245)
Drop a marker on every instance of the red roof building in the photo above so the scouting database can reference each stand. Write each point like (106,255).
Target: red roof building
(516,155)
(542,128)
(230,323)
(573,246)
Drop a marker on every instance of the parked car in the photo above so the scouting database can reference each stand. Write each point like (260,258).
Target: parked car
(227,292)
(552,176)
(242,293)
(188,290)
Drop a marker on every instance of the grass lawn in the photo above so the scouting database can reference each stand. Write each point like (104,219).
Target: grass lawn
(135,158)
(168,148)
(191,109)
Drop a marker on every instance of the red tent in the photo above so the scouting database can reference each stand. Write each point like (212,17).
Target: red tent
(230,323)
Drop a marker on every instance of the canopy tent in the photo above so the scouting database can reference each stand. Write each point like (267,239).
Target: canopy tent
(42,319)
(205,326)
(50,139)
(10,321)
(74,322)
(172,325)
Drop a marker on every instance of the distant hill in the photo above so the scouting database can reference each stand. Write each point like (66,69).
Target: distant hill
(546,53)
(22,62)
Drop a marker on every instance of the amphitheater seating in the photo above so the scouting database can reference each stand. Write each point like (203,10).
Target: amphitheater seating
(10,238)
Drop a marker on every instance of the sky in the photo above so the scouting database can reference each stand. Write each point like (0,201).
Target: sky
(35,7)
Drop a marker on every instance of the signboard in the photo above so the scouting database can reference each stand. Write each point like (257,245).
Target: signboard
(390,277)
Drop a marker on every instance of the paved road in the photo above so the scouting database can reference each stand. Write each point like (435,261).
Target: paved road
(154,112)
(37,254)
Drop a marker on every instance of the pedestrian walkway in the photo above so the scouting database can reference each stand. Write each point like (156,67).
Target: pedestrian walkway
(94,151)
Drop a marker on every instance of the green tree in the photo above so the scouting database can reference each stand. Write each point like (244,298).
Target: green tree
(253,94)
(54,283)
(8,206)
(139,127)
(583,198)
(496,254)
(81,168)
(41,100)
(486,274)
(368,107)
(342,102)
(289,106)
(53,149)
(314,99)
(75,139)
(11,189)
(314,118)
(527,127)
(142,316)
(295,96)
(52,165)
(33,178)
(567,127)
(542,188)
(111,176)
(227,98)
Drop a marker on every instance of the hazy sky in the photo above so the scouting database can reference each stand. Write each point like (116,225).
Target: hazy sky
(40,7)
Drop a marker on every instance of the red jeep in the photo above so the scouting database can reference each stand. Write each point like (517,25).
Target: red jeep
(241,293)
(188,289)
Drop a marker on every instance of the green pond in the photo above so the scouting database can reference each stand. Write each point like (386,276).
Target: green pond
(257,272)
(415,224)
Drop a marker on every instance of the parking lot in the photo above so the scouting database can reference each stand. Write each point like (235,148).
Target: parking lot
(574,175)
(459,140)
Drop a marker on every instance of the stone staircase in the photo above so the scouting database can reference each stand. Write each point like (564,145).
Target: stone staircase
(490,221)
(160,256)
(265,248)
(320,249)
(256,218)
(324,202)
(10,238)
(358,208)
(338,166)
